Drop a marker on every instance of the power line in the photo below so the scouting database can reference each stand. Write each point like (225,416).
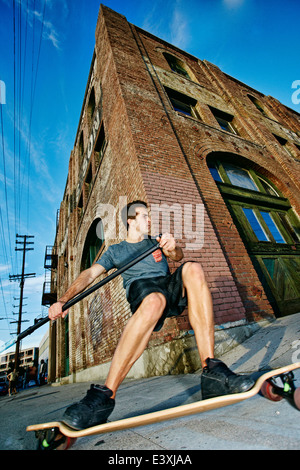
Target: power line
(4,305)
(5,182)
(25,20)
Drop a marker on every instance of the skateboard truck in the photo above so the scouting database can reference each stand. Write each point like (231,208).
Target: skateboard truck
(282,386)
(51,439)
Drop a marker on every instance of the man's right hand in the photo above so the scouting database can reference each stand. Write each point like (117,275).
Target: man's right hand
(55,311)
(82,282)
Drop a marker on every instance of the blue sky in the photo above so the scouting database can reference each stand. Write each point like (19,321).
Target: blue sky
(44,67)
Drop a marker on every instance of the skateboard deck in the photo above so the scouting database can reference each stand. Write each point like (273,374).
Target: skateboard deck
(58,435)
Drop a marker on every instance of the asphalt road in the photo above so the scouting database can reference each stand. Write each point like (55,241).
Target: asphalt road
(255,424)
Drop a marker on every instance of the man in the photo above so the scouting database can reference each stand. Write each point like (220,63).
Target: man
(42,372)
(12,377)
(153,294)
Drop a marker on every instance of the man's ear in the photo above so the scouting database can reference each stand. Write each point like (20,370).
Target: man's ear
(129,222)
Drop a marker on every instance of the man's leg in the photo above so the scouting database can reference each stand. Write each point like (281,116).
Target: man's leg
(134,339)
(217,379)
(200,309)
(99,401)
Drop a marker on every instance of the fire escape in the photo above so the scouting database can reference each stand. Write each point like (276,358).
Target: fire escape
(49,296)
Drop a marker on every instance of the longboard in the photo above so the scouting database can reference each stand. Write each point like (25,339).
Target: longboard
(57,435)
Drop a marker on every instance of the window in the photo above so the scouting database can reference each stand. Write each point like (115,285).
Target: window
(176,65)
(267,187)
(81,145)
(263,225)
(80,205)
(93,243)
(92,104)
(100,144)
(271,218)
(272,227)
(283,142)
(182,103)
(224,120)
(255,225)
(280,140)
(239,177)
(257,104)
(268,227)
(287,225)
(88,181)
(214,173)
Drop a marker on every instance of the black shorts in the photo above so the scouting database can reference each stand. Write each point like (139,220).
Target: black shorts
(171,286)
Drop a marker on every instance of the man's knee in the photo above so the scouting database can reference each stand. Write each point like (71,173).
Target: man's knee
(155,301)
(153,306)
(192,271)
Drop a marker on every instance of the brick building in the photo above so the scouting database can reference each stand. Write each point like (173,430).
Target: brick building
(216,158)
(27,357)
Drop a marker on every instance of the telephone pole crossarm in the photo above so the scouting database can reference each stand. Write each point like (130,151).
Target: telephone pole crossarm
(21,277)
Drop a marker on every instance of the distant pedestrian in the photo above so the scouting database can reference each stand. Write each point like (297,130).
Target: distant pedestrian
(42,372)
(12,378)
(33,374)
(26,378)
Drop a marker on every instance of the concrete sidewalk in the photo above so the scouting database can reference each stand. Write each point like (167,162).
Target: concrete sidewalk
(254,424)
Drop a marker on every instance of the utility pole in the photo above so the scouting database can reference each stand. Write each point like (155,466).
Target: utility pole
(21,278)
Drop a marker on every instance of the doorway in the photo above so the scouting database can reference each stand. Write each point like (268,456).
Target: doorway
(269,227)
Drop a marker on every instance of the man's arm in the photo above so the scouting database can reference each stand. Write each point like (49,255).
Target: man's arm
(80,284)
(169,247)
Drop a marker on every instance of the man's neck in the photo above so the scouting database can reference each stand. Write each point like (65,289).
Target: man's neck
(135,237)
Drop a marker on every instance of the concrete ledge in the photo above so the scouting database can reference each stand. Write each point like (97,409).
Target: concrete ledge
(175,357)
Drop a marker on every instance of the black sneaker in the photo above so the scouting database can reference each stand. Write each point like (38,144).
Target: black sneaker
(217,380)
(93,409)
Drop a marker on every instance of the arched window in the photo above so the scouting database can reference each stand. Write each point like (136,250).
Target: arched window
(258,105)
(268,226)
(81,146)
(176,65)
(230,173)
(92,245)
(92,104)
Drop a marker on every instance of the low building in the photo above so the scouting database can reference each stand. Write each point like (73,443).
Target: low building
(27,357)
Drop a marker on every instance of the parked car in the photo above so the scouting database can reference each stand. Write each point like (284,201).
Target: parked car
(3,388)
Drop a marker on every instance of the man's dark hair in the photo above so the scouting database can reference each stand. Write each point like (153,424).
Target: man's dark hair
(128,212)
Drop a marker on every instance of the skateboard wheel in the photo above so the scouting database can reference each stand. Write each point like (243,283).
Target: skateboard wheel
(297,398)
(52,439)
(68,442)
(267,391)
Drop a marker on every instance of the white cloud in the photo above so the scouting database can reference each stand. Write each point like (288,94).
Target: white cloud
(49,31)
(175,28)
(233,3)
(4,267)
(179,29)
(34,285)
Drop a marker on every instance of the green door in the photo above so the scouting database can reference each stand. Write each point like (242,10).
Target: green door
(269,228)
(268,233)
